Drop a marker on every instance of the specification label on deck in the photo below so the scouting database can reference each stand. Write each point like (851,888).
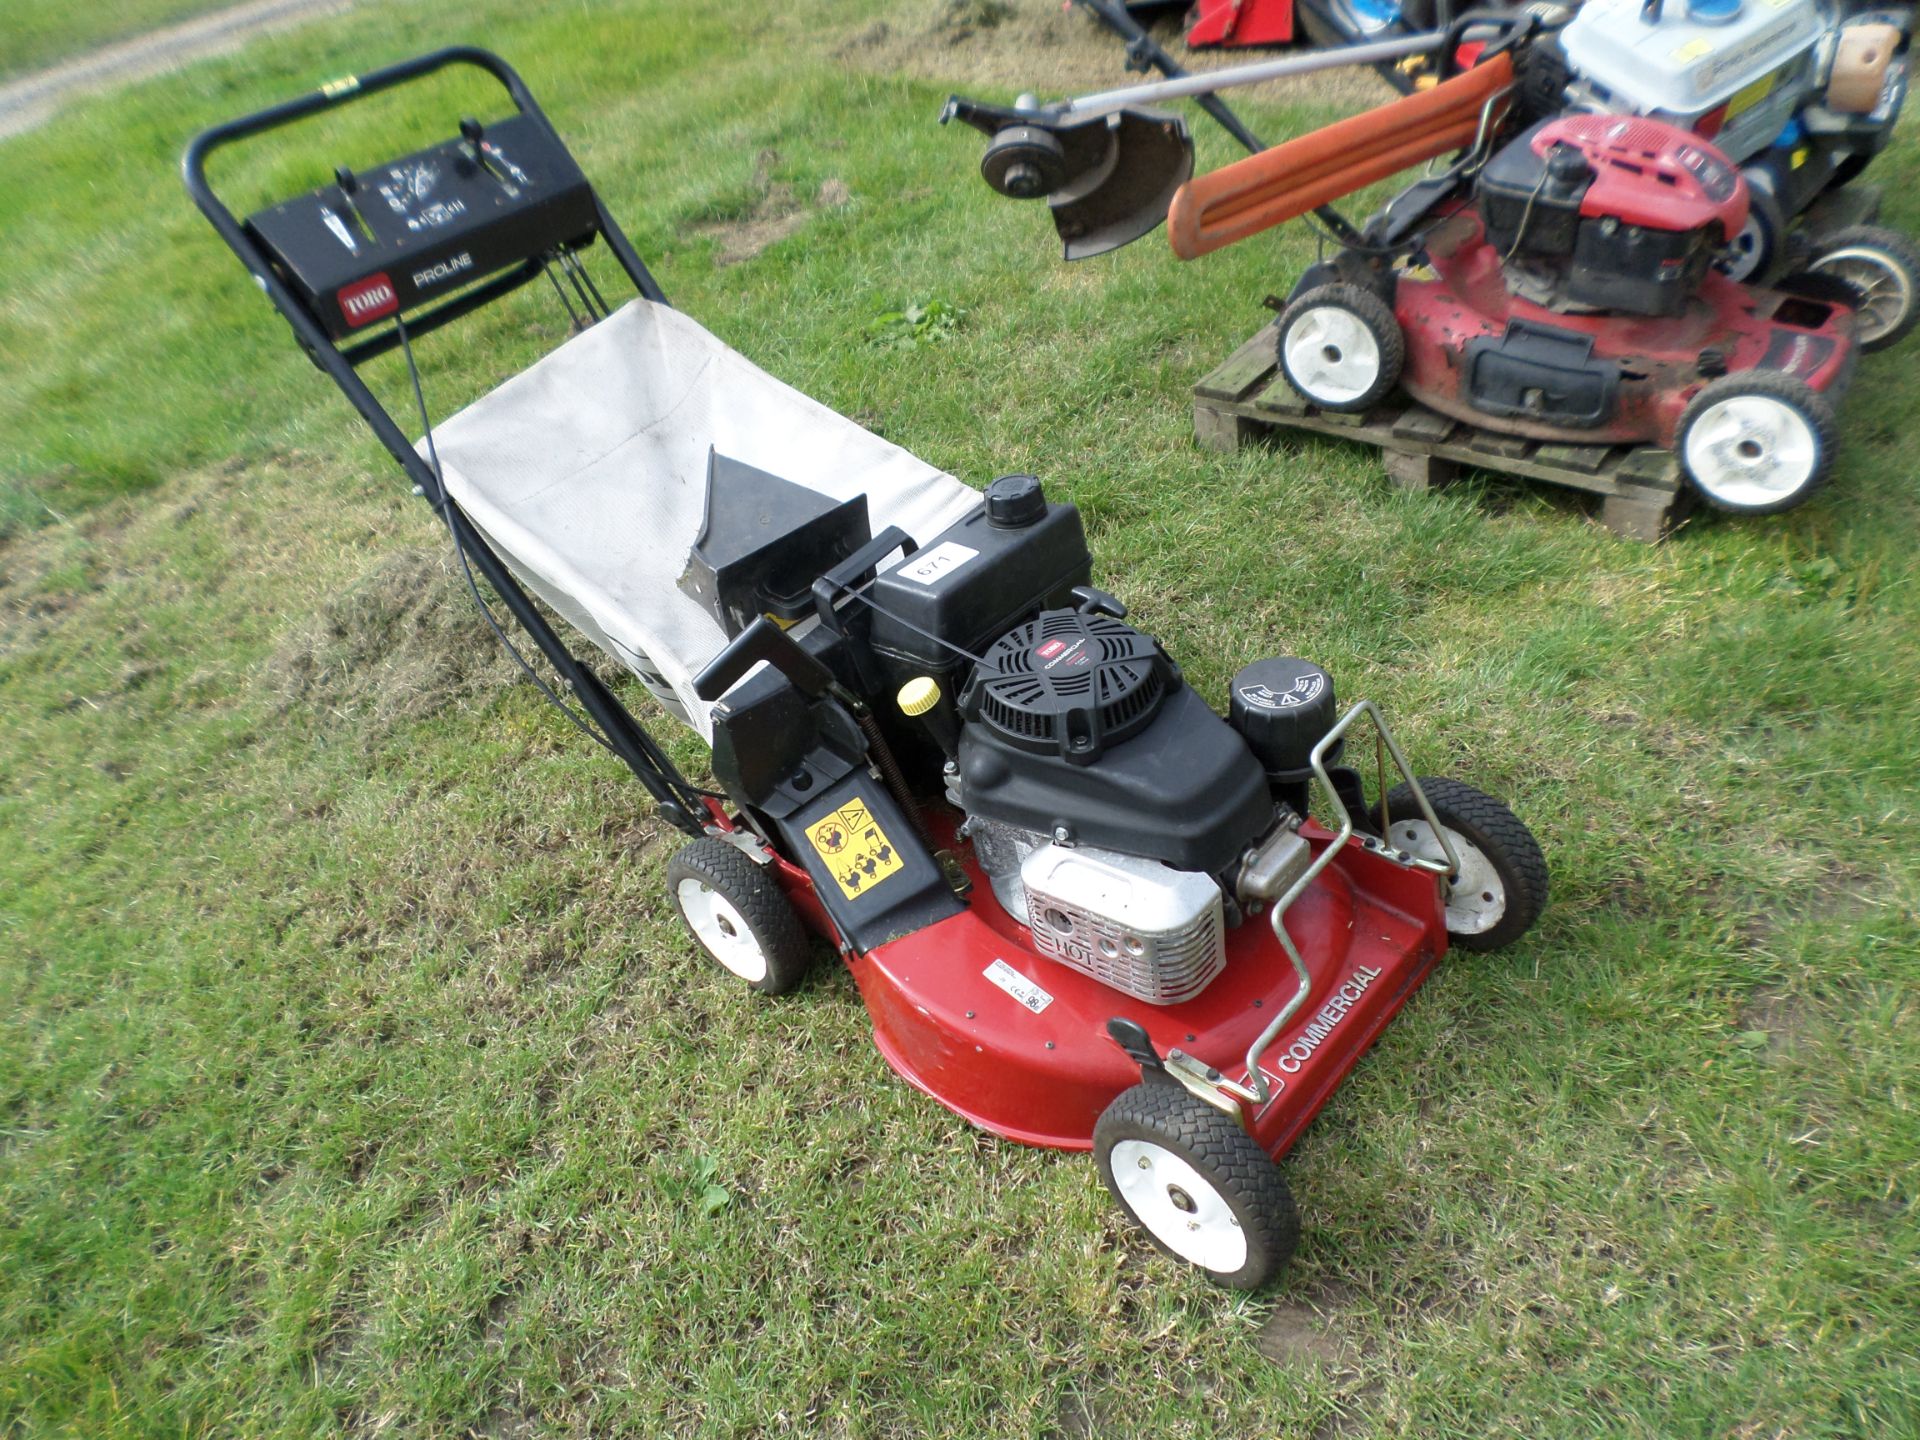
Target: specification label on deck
(854,847)
(1018,986)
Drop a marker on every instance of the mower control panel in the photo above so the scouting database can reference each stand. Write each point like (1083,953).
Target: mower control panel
(381,241)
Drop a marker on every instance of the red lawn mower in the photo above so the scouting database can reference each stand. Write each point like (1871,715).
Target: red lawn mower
(1560,278)
(1085,909)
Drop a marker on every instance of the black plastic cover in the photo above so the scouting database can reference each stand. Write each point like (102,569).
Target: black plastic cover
(764,542)
(1530,203)
(969,585)
(409,231)
(1535,372)
(1185,791)
(1640,271)
(871,870)
(1069,684)
(1282,707)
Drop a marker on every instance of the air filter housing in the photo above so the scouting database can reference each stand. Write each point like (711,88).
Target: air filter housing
(1069,684)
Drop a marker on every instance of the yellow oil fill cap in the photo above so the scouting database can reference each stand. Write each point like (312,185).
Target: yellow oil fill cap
(919,695)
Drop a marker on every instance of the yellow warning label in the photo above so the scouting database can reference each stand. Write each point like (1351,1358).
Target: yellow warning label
(1749,96)
(854,847)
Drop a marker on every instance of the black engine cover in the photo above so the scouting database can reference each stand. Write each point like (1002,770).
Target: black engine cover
(1184,790)
(1069,684)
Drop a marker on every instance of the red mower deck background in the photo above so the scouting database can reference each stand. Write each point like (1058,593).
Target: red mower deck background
(1753,329)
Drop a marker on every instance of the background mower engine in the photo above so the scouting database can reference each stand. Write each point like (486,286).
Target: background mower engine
(1797,93)
(1564,279)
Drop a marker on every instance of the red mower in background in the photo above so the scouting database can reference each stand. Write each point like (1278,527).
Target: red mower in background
(1084,908)
(1561,277)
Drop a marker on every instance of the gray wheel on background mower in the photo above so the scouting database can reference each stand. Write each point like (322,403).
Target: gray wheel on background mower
(737,912)
(1752,255)
(1340,347)
(1756,443)
(1197,1183)
(1882,268)
(1502,885)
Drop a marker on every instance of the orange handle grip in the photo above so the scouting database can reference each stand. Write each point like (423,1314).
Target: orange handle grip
(1261,191)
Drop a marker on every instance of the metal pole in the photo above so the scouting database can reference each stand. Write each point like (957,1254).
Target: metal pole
(1206,84)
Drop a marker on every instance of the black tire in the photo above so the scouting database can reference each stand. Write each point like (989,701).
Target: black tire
(1753,256)
(755,922)
(1154,1121)
(1882,267)
(1358,390)
(1714,466)
(1500,916)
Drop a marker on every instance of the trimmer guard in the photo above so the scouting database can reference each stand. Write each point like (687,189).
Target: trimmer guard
(968,1013)
(587,473)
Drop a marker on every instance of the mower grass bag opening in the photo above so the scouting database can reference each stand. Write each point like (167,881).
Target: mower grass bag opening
(1085,908)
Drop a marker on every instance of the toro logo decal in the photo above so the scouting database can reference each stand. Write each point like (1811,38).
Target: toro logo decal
(367,300)
(1061,652)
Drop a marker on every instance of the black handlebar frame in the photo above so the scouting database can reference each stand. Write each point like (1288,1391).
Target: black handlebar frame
(680,802)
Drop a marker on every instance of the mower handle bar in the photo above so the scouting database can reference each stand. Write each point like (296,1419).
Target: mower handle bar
(334,93)
(681,804)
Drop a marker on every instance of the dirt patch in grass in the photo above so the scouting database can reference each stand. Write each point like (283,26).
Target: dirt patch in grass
(1296,1334)
(777,211)
(1043,47)
(401,643)
(1784,1018)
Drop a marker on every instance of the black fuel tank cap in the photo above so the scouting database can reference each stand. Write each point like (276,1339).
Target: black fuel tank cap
(1015,500)
(1282,707)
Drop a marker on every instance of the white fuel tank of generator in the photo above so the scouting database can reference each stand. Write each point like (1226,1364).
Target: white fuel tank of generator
(1758,59)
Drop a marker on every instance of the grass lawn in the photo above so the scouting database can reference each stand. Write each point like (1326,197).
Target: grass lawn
(356,1079)
(34,34)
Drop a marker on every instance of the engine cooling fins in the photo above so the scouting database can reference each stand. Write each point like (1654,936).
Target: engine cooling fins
(1070,683)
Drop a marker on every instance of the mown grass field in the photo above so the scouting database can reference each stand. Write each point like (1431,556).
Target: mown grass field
(356,1080)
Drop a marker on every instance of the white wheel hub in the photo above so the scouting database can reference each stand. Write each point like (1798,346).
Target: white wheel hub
(717,924)
(1751,450)
(1477,898)
(1748,250)
(1331,355)
(1882,283)
(1179,1206)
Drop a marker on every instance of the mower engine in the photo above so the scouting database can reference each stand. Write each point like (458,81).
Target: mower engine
(1608,213)
(1114,812)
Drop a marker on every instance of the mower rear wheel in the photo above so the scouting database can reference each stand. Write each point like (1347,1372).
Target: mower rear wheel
(1756,443)
(1753,254)
(1197,1183)
(1882,268)
(1340,347)
(1502,885)
(737,912)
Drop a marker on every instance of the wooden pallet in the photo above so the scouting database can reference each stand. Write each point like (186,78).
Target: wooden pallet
(1642,493)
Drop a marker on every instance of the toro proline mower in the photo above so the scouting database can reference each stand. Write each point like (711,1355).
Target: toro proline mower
(1084,909)
(1566,275)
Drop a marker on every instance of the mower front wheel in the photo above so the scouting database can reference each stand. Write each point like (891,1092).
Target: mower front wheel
(1502,885)
(737,912)
(1756,443)
(1197,1183)
(1341,348)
